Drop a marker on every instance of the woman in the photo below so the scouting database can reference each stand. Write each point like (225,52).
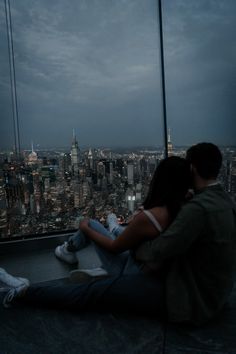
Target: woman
(166,194)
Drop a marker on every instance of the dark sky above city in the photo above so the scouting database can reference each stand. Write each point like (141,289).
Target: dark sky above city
(93,65)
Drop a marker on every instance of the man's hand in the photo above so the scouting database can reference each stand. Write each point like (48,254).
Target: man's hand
(83,225)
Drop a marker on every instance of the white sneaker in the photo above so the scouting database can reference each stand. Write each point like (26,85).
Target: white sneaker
(11,287)
(7,296)
(64,255)
(83,275)
(11,281)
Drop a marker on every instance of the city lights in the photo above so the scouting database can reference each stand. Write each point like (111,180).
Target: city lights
(48,191)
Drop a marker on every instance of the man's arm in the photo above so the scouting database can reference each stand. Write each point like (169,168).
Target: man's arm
(185,229)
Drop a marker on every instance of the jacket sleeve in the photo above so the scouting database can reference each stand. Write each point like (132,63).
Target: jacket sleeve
(181,234)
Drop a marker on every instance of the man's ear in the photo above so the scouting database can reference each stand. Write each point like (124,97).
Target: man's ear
(193,169)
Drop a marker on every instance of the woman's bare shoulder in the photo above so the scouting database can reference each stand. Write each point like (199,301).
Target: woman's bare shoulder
(162,215)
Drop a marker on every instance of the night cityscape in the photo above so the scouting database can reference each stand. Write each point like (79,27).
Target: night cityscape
(94,94)
(96,66)
(48,191)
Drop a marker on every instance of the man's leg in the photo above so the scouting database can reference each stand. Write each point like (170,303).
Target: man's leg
(132,293)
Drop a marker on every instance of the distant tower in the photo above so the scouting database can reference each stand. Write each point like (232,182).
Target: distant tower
(74,155)
(90,159)
(169,144)
(33,157)
(130,197)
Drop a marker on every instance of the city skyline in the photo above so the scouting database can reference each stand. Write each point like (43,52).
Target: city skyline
(95,67)
(48,192)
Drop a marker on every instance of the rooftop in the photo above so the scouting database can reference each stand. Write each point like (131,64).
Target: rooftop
(36,330)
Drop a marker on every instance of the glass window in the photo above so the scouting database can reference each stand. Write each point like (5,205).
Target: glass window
(90,110)
(200,57)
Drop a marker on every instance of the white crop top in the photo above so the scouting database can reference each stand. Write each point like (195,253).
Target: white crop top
(153,219)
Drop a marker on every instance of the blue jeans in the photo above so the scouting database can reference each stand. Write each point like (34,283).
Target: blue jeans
(123,263)
(136,293)
(79,240)
(114,227)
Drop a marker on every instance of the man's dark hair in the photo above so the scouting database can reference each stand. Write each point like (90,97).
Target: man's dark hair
(207,159)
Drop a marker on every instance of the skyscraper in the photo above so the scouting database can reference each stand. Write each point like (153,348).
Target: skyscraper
(91,159)
(33,157)
(169,144)
(75,155)
(130,173)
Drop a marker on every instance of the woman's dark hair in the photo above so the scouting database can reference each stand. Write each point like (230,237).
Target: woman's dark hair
(169,185)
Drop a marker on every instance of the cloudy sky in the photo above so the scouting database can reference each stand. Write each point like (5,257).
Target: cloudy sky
(93,65)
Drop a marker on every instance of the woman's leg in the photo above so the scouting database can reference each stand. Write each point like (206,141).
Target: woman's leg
(113,225)
(78,240)
(67,251)
(123,263)
(112,263)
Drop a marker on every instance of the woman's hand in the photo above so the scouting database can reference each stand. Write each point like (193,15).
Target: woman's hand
(84,225)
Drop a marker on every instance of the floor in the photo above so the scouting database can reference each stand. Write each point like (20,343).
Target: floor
(33,330)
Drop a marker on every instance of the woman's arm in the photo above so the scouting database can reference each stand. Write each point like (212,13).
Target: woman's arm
(138,231)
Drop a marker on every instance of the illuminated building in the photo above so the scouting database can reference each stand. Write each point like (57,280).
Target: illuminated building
(75,155)
(130,173)
(111,172)
(169,145)
(91,159)
(130,200)
(33,157)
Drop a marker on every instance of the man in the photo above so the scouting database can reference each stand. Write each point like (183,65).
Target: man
(195,257)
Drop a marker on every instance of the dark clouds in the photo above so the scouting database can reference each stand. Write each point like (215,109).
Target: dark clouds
(201,69)
(94,66)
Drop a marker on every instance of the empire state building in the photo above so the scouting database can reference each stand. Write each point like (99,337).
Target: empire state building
(75,155)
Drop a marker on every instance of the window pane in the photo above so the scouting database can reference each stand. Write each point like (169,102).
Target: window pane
(90,112)
(200,53)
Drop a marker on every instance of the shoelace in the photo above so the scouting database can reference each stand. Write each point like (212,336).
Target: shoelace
(11,293)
